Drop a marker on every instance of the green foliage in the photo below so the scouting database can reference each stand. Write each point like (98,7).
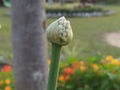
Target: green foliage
(95,73)
(5,35)
(88,35)
(109,1)
(6,78)
(72,8)
(92,74)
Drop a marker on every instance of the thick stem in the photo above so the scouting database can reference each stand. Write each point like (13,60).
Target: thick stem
(54,67)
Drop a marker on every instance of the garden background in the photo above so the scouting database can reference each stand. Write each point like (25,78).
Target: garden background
(89,62)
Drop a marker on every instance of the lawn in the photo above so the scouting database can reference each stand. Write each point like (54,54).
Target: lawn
(88,35)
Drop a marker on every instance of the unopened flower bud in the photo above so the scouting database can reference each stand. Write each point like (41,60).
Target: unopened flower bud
(60,32)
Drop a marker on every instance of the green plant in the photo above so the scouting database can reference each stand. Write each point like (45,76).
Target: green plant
(6,78)
(59,33)
(99,74)
(72,8)
(88,33)
(85,75)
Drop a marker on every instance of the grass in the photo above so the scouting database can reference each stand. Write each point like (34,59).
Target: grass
(88,35)
(5,35)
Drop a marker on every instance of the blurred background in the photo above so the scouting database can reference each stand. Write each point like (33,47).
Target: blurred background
(91,20)
(95,48)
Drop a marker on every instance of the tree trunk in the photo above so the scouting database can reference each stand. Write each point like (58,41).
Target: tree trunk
(29,44)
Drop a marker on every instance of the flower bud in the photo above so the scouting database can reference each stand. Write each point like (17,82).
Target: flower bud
(60,32)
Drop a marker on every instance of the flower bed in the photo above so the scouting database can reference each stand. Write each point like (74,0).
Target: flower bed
(6,78)
(96,73)
(90,75)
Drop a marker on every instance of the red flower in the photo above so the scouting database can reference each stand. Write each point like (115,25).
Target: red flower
(76,65)
(68,71)
(7,68)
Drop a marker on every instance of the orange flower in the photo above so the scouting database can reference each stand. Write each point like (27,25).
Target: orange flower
(7,68)
(95,66)
(61,78)
(75,65)
(83,68)
(109,58)
(68,71)
(7,88)
(7,81)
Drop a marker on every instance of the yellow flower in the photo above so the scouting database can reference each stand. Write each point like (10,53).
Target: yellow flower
(7,88)
(83,68)
(7,81)
(115,62)
(95,66)
(102,61)
(82,63)
(109,58)
(61,78)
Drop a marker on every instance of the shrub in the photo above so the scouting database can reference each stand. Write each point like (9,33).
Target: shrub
(6,78)
(85,75)
(109,1)
(73,8)
(96,73)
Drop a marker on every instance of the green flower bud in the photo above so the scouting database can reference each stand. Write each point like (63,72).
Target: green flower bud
(60,32)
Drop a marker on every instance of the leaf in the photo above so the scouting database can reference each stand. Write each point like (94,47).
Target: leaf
(111,76)
(69,87)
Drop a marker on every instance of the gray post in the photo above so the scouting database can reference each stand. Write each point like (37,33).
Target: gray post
(29,44)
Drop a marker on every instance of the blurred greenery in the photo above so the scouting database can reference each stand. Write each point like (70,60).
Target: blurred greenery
(6,78)
(71,6)
(95,73)
(5,34)
(88,35)
(90,75)
(109,1)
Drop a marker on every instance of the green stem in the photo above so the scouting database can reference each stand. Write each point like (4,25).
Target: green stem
(54,67)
